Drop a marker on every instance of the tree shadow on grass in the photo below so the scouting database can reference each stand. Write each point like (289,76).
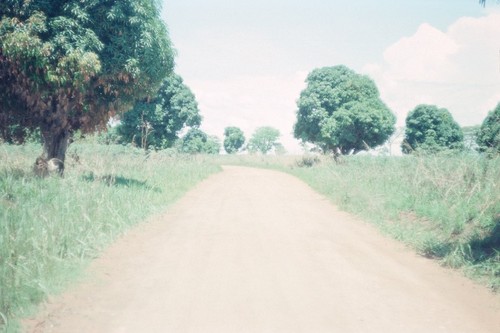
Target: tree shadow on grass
(488,246)
(480,248)
(119,181)
(484,245)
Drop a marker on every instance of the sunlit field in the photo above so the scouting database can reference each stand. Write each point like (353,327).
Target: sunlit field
(50,228)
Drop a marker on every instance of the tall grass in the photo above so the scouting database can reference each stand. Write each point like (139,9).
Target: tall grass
(445,206)
(50,228)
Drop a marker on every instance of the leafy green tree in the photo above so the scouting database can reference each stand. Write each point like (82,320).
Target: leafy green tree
(69,65)
(264,139)
(431,129)
(341,111)
(488,136)
(198,142)
(233,139)
(157,122)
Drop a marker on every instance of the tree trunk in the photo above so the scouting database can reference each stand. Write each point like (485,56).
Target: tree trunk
(55,144)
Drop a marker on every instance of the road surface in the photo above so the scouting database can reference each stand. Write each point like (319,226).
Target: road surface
(252,250)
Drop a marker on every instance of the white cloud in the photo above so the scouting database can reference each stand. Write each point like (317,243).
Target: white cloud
(249,102)
(422,57)
(458,69)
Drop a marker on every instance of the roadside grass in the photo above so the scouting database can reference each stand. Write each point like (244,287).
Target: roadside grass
(445,206)
(50,228)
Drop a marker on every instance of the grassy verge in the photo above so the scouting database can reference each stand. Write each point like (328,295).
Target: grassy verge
(445,206)
(50,228)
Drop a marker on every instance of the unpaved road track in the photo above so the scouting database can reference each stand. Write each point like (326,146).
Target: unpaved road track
(251,250)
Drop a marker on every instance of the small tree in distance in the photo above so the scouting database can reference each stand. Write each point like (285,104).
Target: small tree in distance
(233,139)
(431,129)
(264,140)
(198,142)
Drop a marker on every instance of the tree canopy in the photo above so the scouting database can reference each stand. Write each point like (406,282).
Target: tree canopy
(264,139)
(488,136)
(341,110)
(158,121)
(69,65)
(430,128)
(198,142)
(233,139)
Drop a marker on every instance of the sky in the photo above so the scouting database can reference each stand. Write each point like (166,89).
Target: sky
(246,61)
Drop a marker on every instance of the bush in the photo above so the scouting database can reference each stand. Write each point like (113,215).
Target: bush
(307,161)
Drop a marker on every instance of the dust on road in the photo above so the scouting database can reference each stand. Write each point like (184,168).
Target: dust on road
(253,250)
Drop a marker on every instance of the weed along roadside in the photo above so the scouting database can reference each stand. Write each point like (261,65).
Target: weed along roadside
(50,228)
(445,207)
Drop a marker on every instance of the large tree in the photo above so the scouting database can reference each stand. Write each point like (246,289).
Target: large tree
(488,136)
(431,129)
(341,111)
(233,139)
(264,139)
(157,122)
(69,65)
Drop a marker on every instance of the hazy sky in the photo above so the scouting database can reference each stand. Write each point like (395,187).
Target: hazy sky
(246,60)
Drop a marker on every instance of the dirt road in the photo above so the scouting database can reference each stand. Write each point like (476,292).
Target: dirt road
(251,250)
